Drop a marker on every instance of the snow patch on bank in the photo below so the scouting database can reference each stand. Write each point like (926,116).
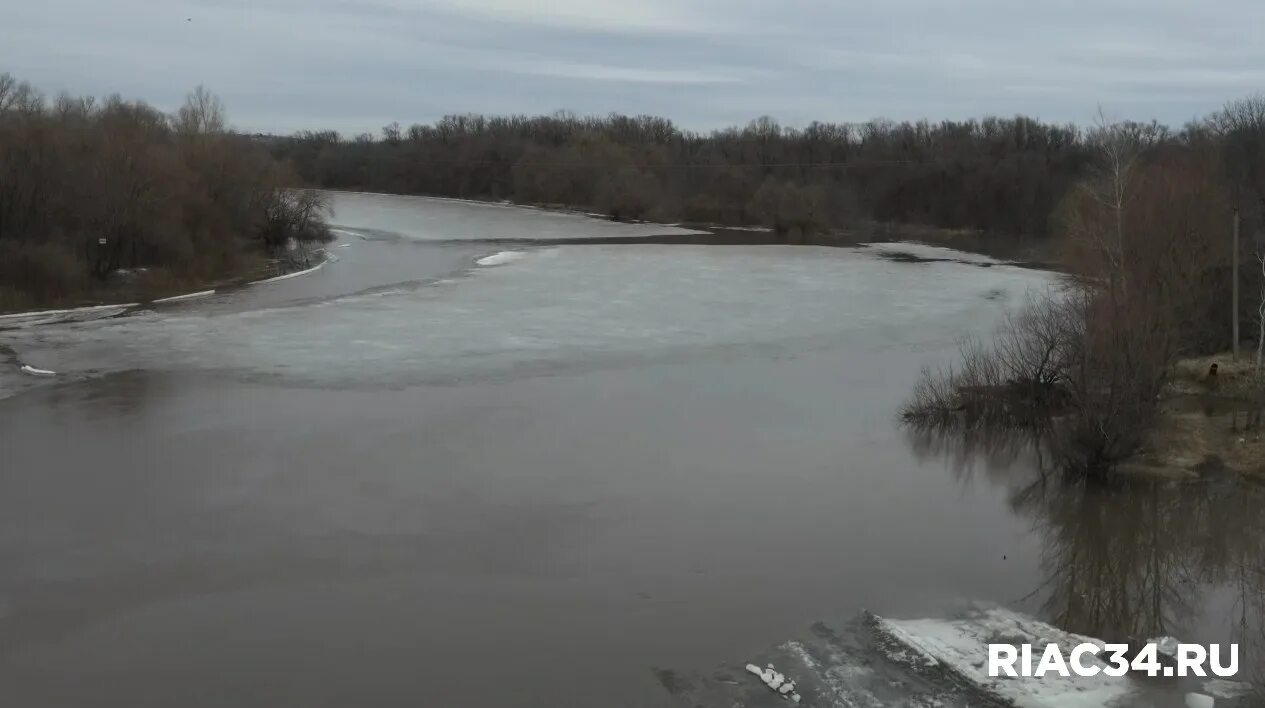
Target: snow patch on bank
(186,296)
(288,276)
(501,258)
(961,644)
(73,310)
(76,314)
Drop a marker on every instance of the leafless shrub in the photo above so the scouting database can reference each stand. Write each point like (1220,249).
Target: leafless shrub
(1015,381)
(292,215)
(1070,366)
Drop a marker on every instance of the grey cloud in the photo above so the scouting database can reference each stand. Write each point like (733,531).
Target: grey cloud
(355,65)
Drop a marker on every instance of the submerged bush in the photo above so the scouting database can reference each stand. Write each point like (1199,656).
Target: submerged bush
(1080,372)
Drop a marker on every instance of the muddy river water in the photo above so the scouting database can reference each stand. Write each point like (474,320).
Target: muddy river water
(409,479)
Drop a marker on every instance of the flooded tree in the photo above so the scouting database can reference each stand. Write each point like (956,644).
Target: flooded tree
(1086,365)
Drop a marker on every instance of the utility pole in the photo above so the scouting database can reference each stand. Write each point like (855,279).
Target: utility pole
(1234,274)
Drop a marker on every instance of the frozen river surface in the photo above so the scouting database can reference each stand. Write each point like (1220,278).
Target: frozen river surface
(410,479)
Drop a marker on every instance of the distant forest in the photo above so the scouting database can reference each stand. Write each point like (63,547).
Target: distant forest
(997,175)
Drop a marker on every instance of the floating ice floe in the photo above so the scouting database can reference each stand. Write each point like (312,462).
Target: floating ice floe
(186,296)
(27,369)
(775,681)
(500,258)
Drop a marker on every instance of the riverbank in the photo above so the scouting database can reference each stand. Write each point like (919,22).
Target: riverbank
(159,286)
(1208,424)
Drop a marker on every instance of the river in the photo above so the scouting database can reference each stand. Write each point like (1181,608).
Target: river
(410,479)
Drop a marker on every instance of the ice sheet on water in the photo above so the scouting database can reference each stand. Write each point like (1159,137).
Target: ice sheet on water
(438,219)
(556,307)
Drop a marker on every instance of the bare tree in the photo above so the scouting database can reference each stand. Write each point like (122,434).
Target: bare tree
(201,114)
(8,86)
(1260,316)
(1241,127)
(19,96)
(292,214)
(1100,226)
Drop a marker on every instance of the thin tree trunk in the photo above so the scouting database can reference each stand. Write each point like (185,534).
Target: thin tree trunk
(1260,318)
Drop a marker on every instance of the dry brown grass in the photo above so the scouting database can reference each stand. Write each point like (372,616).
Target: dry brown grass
(1203,426)
(1234,378)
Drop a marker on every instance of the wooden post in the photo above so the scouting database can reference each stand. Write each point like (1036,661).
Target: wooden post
(1235,279)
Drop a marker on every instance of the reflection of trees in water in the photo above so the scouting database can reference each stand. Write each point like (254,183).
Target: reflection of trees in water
(1118,560)
(1137,559)
(1232,555)
(964,451)
(1131,558)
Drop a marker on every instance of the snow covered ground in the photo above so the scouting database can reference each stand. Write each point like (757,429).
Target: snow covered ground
(873,661)
(961,643)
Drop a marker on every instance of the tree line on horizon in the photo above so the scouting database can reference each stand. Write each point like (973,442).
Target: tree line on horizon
(1003,176)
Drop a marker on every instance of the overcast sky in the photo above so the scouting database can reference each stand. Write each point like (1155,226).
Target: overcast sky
(355,65)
